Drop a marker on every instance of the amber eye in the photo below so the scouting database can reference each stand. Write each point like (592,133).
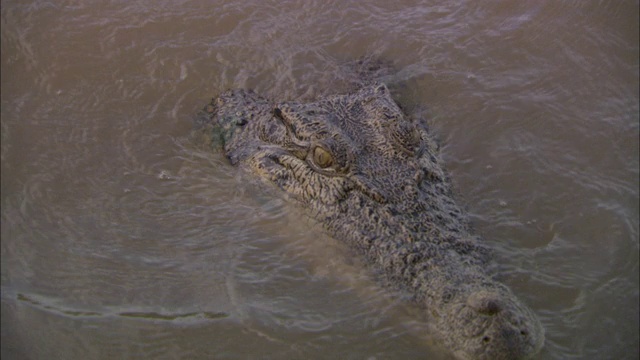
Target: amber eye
(322,157)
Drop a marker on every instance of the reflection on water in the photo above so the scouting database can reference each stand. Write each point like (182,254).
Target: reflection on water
(125,237)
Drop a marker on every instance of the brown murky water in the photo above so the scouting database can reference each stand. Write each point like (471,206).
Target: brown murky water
(122,237)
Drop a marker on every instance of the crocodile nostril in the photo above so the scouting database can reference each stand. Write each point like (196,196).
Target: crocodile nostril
(490,307)
(485,303)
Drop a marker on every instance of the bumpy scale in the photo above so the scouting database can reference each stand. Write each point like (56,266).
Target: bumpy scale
(372,176)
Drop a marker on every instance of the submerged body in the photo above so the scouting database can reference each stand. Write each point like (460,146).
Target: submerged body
(372,176)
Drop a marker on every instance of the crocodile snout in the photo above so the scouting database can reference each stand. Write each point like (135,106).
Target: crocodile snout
(511,332)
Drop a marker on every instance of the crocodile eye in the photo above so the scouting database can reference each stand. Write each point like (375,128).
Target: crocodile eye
(322,157)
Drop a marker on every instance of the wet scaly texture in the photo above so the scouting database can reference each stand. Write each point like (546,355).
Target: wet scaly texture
(372,176)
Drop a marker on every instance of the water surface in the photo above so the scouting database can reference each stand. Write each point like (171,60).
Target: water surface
(124,237)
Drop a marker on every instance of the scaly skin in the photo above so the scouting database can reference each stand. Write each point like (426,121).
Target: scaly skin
(372,176)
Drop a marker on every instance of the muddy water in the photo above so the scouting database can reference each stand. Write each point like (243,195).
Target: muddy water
(124,237)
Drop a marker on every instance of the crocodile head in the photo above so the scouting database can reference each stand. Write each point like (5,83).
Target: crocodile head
(372,176)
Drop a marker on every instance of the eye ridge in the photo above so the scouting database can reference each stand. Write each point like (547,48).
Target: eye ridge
(322,157)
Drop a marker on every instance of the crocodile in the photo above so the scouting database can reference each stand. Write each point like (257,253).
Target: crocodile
(372,176)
